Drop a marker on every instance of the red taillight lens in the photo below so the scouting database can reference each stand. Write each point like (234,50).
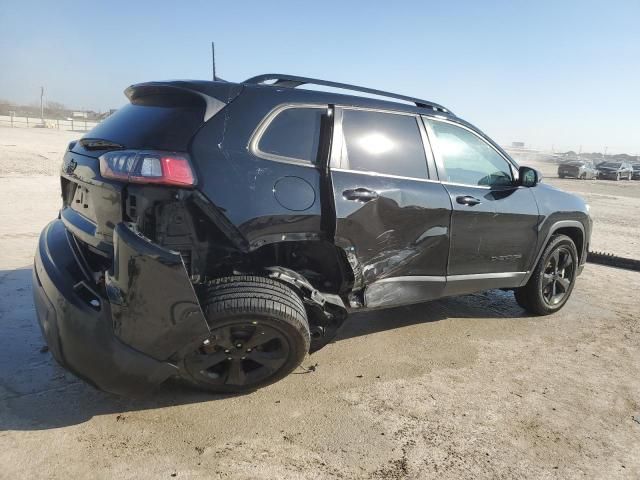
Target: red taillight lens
(135,166)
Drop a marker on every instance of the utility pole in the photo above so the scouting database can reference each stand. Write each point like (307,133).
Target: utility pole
(213,60)
(42,104)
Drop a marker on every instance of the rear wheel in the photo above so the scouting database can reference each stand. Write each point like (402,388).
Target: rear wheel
(259,334)
(552,281)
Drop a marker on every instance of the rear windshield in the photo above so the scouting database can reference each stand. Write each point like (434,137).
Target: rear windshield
(151,126)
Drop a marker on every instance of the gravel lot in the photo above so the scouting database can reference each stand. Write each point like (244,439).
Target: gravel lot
(459,388)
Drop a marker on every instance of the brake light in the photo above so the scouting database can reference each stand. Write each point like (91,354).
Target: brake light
(136,166)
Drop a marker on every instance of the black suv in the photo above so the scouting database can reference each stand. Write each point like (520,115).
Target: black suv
(218,232)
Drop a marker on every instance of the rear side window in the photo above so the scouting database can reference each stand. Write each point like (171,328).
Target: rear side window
(384,143)
(293,134)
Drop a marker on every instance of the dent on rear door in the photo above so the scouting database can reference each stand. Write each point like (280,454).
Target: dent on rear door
(397,240)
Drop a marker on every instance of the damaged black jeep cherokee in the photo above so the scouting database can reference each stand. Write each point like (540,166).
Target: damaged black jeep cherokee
(219,231)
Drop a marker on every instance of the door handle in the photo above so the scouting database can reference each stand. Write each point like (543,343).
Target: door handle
(360,194)
(467,200)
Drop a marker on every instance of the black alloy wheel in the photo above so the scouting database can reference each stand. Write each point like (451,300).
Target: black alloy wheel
(558,275)
(239,354)
(259,333)
(552,280)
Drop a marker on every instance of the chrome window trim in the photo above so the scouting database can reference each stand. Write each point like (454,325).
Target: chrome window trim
(338,144)
(385,175)
(262,127)
(438,155)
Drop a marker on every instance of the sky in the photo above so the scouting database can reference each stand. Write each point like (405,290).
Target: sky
(554,74)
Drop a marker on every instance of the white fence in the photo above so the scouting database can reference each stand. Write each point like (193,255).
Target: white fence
(74,125)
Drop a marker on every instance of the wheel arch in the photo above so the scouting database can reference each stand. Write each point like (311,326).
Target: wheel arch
(571,228)
(321,262)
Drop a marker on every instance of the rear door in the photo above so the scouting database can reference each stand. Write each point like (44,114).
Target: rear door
(392,218)
(494,221)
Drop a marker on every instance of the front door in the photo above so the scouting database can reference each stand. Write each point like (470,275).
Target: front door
(494,221)
(392,218)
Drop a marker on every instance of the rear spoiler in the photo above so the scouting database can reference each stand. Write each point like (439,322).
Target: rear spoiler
(216,95)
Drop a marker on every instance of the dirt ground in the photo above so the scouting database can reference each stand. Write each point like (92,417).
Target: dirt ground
(469,387)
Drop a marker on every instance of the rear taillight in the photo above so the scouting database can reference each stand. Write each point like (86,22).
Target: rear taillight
(138,166)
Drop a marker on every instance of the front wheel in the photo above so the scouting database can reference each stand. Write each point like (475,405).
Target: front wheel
(259,334)
(553,278)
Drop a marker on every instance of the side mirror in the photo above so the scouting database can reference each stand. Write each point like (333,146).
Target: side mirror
(529,177)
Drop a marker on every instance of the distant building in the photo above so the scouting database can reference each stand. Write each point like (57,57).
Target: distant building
(79,114)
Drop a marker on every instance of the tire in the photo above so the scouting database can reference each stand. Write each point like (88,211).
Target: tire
(537,296)
(259,334)
(561,176)
(583,176)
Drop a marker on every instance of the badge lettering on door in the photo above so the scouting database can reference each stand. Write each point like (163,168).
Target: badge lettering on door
(506,258)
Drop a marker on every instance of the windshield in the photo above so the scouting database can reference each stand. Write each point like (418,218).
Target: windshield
(611,165)
(636,166)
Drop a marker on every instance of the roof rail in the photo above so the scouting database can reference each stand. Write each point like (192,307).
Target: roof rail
(292,81)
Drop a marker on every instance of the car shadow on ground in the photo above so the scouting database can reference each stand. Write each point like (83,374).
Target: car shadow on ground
(37,394)
(490,304)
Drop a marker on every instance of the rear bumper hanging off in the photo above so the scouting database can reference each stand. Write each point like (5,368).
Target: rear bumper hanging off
(122,342)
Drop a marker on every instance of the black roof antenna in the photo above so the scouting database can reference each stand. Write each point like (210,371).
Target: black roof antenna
(213,60)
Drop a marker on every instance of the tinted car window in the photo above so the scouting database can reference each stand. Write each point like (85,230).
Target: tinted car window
(384,143)
(151,125)
(293,134)
(468,159)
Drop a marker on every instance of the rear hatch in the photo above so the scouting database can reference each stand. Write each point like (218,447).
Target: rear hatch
(570,168)
(160,117)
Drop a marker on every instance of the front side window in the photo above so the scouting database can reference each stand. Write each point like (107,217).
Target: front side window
(293,134)
(384,143)
(467,158)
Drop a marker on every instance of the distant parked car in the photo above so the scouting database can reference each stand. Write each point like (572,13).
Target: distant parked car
(615,170)
(578,169)
(636,171)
